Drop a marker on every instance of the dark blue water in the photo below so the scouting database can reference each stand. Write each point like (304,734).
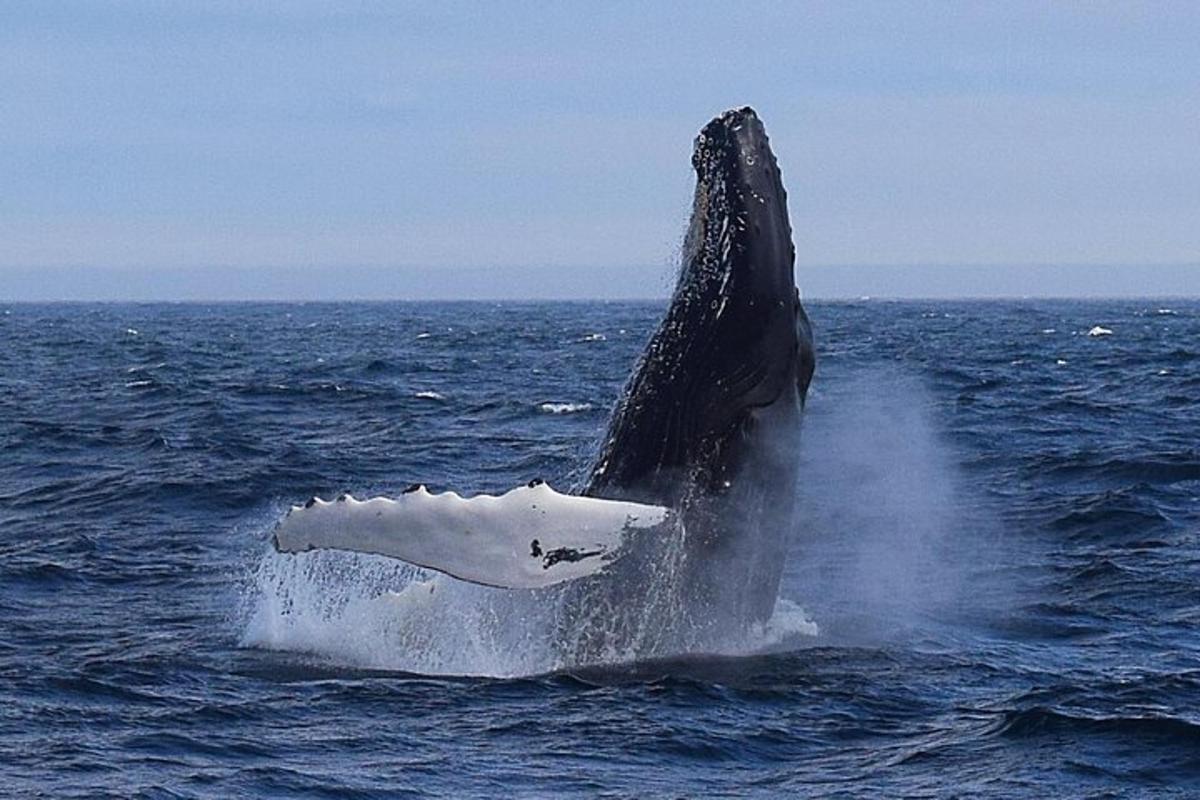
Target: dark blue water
(994,589)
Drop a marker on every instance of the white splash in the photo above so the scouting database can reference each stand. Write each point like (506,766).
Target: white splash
(377,613)
(564,408)
(1100,331)
(790,626)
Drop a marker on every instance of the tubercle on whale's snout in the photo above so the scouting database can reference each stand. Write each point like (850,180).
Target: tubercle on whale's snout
(737,135)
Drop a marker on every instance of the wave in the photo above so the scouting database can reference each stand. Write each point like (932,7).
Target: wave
(1164,468)
(1123,512)
(564,408)
(379,365)
(1041,721)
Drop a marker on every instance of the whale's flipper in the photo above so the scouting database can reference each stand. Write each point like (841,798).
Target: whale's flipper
(527,538)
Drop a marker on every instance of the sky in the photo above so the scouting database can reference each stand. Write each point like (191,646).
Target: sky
(314,150)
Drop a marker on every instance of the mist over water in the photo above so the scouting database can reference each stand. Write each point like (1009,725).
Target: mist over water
(889,531)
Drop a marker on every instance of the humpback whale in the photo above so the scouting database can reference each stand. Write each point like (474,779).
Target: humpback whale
(708,423)
(703,437)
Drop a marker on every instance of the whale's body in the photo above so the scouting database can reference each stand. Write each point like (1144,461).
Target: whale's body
(709,421)
(700,454)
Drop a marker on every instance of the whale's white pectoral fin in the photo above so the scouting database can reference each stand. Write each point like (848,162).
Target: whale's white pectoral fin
(527,538)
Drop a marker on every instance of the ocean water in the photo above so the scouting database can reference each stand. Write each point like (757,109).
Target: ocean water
(993,591)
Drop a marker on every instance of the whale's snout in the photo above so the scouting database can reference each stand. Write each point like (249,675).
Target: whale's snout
(734,147)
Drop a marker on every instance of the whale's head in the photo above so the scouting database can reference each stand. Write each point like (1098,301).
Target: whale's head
(737,282)
(735,340)
(738,253)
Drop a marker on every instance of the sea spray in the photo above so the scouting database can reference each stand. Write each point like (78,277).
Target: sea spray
(884,538)
(672,593)
(888,534)
(379,613)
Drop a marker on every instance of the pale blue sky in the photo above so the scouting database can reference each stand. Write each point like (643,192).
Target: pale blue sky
(225,149)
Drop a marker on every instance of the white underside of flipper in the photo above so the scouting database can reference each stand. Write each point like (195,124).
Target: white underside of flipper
(527,538)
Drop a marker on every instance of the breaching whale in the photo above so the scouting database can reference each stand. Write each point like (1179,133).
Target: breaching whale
(707,424)
(702,441)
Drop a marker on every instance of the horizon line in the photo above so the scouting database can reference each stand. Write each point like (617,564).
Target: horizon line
(611,300)
(845,282)
(1035,264)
